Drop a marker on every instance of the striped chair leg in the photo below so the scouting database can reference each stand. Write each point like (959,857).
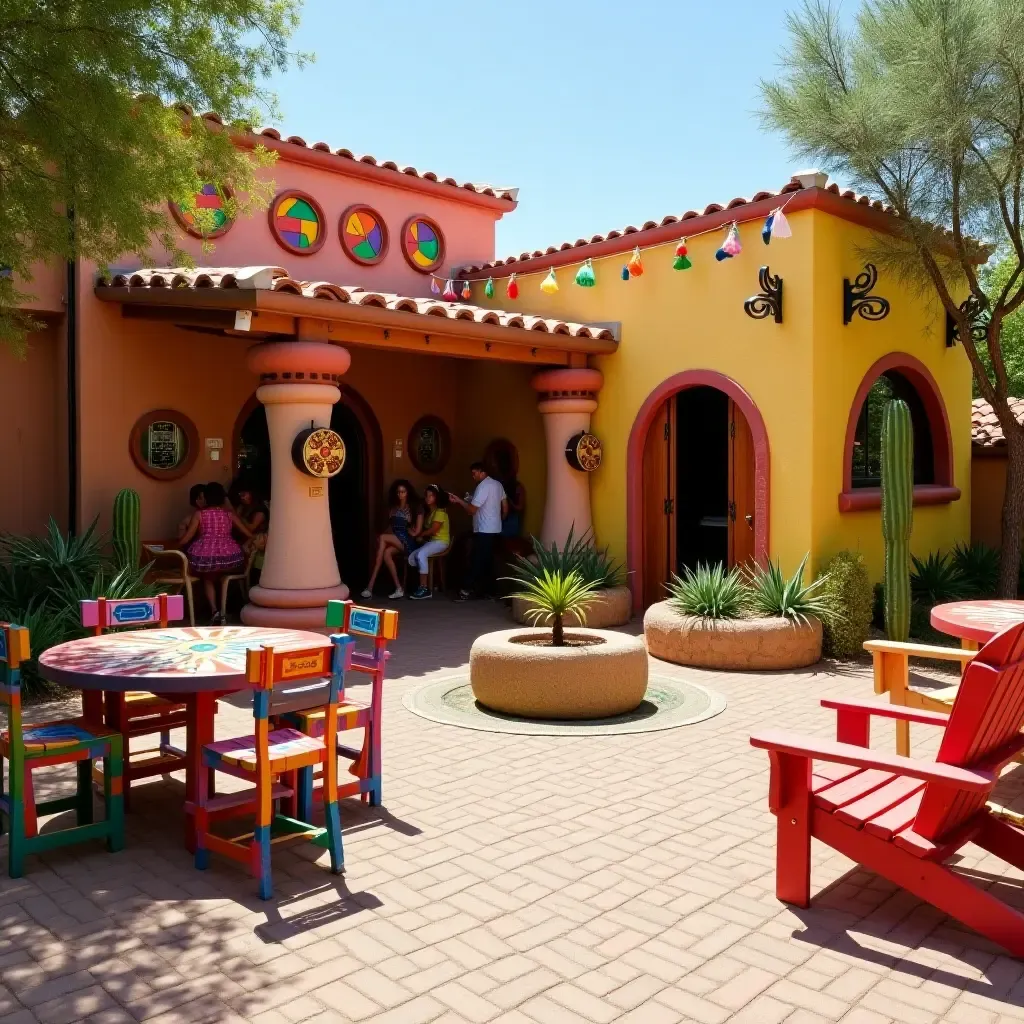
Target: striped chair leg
(83,792)
(113,794)
(304,794)
(261,860)
(332,819)
(16,822)
(202,819)
(28,804)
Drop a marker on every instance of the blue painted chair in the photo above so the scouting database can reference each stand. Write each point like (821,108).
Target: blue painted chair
(26,747)
(278,762)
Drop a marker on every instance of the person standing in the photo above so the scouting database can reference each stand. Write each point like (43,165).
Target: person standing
(488,506)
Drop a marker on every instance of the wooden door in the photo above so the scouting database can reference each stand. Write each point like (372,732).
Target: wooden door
(741,488)
(659,537)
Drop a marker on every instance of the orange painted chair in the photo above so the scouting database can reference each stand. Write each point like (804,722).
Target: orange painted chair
(284,681)
(66,741)
(380,626)
(135,714)
(904,818)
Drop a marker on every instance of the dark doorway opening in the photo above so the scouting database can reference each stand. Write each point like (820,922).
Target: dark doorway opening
(702,477)
(348,492)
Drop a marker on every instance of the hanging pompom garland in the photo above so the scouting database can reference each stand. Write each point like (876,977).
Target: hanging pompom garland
(585,275)
(731,246)
(625,272)
(435,288)
(467,292)
(449,292)
(681,261)
(635,264)
(512,291)
(489,288)
(776,226)
(550,283)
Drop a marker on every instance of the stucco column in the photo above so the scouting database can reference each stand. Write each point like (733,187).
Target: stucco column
(567,399)
(300,572)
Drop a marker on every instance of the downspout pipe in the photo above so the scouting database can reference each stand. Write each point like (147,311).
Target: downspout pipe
(72,382)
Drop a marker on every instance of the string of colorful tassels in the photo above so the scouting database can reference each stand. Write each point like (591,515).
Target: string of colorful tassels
(776,226)
(731,246)
(585,275)
(489,288)
(435,288)
(550,283)
(467,292)
(681,261)
(512,290)
(635,266)
(449,293)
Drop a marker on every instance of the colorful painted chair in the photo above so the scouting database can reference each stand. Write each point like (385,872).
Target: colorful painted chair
(135,714)
(381,626)
(35,746)
(284,681)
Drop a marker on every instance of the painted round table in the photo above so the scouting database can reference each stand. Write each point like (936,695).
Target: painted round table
(976,622)
(194,664)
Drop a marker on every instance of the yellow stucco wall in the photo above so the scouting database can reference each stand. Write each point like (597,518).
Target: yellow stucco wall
(802,374)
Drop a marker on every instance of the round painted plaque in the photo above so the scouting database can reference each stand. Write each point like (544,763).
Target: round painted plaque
(318,451)
(584,452)
(364,235)
(297,222)
(422,244)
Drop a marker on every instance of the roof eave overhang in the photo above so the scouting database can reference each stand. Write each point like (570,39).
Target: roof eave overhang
(341,313)
(351,168)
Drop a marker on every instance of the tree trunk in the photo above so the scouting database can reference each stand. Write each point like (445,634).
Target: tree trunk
(557,633)
(1013,515)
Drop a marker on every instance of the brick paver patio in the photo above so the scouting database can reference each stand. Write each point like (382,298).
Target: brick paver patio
(513,879)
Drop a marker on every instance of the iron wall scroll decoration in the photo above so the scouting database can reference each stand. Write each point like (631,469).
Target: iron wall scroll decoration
(857,297)
(767,302)
(976,315)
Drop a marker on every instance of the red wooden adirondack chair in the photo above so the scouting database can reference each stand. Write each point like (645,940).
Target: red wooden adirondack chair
(900,817)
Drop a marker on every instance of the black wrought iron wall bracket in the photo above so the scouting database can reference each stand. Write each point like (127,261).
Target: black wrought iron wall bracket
(857,297)
(976,316)
(767,302)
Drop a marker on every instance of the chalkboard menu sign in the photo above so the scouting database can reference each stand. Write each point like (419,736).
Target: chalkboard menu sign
(164,444)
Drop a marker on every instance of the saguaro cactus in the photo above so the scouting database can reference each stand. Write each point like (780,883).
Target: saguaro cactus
(897,515)
(127,541)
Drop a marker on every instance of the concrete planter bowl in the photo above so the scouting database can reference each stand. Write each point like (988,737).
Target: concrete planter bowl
(510,672)
(611,607)
(736,644)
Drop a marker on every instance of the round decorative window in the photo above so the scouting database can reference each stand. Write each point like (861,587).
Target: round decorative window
(430,445)
(297,222)
(364,235)
(164,444)
(422,244)
(210,220)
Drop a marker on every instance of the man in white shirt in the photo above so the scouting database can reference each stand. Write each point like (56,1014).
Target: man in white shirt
(488,506)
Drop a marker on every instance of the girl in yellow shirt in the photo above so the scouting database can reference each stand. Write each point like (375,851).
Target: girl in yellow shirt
(435,535)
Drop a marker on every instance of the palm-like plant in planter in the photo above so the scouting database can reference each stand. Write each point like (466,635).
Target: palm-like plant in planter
(552,595)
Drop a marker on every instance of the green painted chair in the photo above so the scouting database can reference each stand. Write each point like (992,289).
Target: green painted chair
(36,746)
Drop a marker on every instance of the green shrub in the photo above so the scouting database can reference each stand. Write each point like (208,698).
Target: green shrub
(847,589)
(936,579)
(580,555)
(978,565)
(771,593)
(710,591)
(42,580)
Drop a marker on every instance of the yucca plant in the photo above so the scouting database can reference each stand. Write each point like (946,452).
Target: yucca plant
(936,579)
(710,592)
(978,565)
(554,595)
(773,594)
(578,554)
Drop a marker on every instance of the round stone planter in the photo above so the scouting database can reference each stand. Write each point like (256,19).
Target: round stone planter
(598,680)
(737,644)
(612,607)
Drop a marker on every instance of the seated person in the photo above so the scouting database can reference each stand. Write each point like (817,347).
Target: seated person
(212,551)
(197,499)
(254,512)
(405,521)
(435,538)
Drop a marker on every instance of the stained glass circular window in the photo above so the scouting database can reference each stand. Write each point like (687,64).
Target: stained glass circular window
(297,222)
(210,218)
(364,235)
(422,244)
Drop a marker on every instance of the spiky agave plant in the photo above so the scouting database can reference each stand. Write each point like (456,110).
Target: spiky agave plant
(554,595)
(773,593)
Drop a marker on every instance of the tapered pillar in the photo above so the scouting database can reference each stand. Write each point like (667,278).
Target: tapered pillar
(567,400)
(300,572)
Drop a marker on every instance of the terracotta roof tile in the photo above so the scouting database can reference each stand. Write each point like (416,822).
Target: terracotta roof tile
(795,184)
(985,429)
(277,279)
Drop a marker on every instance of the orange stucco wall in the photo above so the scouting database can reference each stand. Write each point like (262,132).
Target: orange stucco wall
(988,485)
(33,466)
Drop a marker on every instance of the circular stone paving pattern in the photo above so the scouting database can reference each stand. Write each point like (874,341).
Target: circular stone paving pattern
(668,704)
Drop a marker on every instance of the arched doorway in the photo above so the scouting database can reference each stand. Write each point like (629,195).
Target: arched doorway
(697,481)
(354,493)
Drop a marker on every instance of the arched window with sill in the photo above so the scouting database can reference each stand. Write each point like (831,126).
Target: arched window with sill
(897,375)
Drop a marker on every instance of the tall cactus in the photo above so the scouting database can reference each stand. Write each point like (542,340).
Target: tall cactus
(127,540)
(897,515)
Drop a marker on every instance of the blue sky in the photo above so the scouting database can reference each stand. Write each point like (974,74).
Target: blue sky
(602,113)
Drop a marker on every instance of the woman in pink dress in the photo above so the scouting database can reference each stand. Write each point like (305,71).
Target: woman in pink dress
(214,552)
